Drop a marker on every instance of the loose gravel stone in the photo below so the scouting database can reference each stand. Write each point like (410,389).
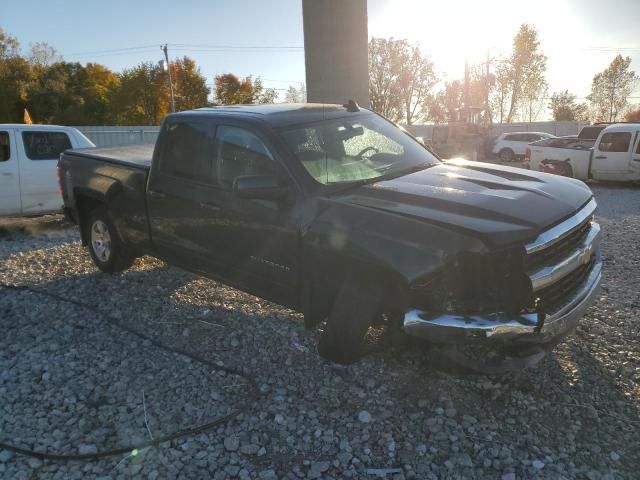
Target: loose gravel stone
(68,379)
(364,416)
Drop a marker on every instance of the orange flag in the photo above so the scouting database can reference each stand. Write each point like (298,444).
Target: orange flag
(26,117)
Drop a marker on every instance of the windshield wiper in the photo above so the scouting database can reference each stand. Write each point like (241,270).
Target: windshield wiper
(342,186)
(408,170)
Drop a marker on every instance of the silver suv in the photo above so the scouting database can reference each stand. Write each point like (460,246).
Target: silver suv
(510,146)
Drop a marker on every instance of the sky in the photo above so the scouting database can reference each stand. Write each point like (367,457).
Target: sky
(579,37)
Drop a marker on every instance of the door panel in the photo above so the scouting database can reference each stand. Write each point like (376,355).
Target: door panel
(260,237)
(40,151)
(181,194)
(185,223)
(611,156)
(9,175)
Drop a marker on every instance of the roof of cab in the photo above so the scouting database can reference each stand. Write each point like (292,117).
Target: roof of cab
(622,127)
(281,114)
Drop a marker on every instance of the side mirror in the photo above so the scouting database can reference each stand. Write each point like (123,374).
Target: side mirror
(263,187)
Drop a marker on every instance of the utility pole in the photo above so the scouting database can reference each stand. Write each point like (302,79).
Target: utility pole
(168,68)
(487,88)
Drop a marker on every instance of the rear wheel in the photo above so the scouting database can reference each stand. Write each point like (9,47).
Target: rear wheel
(506,155)
(566,170)
(356,308)
(107,250)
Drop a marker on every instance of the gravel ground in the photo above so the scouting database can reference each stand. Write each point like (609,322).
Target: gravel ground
(71,382)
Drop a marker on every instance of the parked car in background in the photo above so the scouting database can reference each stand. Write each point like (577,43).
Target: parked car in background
(614,155)
(511,146)
(28,158)
(337,213)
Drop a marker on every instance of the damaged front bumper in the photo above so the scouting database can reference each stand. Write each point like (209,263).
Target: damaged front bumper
(527,328)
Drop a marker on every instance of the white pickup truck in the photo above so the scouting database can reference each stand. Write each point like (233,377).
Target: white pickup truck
(614,156)
(28,160)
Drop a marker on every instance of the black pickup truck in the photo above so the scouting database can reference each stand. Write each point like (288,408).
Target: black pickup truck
(336,212)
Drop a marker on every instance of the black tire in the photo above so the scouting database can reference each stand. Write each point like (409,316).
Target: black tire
(567,171)
(506,155)
(116,257)
(355,309)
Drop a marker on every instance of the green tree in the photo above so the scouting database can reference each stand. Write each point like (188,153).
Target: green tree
(633,115)
(417,80)
(452,99)
(564,107)
(534,92)
(43,55)
(52,93)
(525,68)
(231,90)
(100,86)
(189,84)
(401,80)
(610,90)
(501,92)
(142,97)
(15,76)
(9,46)
(295,94)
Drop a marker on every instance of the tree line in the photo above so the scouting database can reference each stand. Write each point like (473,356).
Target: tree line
(69,93)
(403,85)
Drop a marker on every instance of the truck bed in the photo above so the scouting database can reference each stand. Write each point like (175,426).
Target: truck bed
(115,176)
(138,156)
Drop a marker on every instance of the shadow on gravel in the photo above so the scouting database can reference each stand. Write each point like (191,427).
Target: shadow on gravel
(64,363)
(71,382)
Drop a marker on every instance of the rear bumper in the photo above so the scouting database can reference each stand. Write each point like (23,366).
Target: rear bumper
(502,328)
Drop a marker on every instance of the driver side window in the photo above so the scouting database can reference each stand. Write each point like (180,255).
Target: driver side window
(239,153)
(371,140)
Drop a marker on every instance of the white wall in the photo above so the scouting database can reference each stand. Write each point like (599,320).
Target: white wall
(556,128)
(114,136)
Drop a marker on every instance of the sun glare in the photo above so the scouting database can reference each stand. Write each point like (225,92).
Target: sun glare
(450,32)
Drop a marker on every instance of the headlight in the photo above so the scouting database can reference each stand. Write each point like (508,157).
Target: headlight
(476,284)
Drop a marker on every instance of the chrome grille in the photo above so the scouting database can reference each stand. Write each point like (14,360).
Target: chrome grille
(555,296)
(558,251)
(560,260)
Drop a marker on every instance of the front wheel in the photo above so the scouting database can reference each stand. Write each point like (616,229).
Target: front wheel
(506,155)
(107,250)
(354,311)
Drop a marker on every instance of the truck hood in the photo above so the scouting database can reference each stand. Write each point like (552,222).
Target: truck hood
(501,205)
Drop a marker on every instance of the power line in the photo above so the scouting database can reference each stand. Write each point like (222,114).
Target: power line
(113,50)
(237,47)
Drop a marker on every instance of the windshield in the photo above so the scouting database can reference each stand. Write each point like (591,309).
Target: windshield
(356,149)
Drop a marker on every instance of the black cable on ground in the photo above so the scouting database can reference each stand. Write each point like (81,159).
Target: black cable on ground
(252,397)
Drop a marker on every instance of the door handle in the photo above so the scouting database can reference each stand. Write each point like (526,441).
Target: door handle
(601,157)
(210,206)
(636,159)
(156,194)
(7,174)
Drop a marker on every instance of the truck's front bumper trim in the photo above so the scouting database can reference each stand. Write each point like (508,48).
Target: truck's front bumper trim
(499,327)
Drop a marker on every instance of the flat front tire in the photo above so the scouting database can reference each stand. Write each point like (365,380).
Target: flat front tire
(354,311)
(107,250)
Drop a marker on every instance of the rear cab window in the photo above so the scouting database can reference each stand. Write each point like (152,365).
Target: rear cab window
(187,151)
(5,147)
(40,145)
(615,142)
